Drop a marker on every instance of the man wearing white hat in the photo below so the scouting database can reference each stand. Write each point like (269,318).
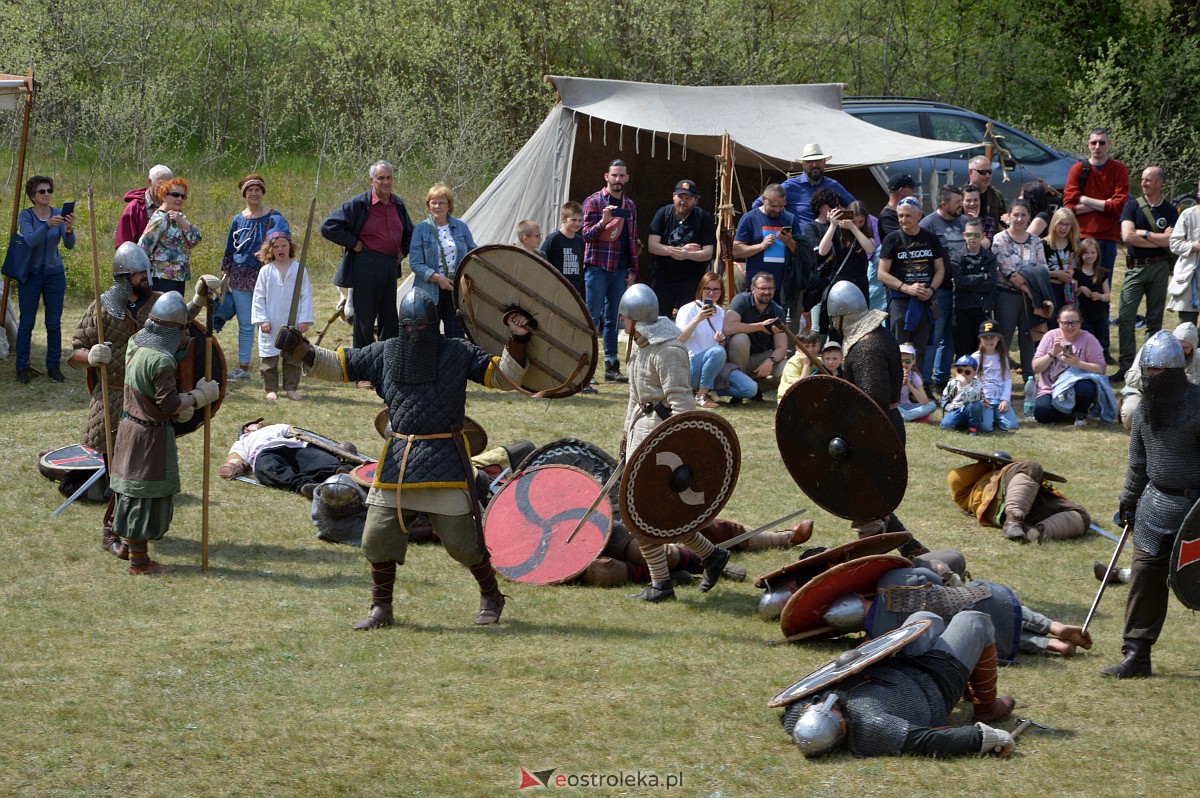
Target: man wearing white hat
(800,189)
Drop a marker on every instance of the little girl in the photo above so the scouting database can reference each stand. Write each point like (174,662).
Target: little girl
(1093,294)
(963,400)
(272,303)
(992,357)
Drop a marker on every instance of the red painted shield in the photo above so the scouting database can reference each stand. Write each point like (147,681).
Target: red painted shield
(804,609)
(75,457)
(364,474)
(528,522)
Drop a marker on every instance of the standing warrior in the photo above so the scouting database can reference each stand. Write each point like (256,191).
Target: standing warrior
(145,465)
(1162,484)
(660,383)
(424,467)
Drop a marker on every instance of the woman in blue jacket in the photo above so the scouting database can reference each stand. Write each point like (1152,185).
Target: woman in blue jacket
(43,226)
(439,244)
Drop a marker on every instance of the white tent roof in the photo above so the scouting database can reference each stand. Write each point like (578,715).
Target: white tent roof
(12,87)
(769,125)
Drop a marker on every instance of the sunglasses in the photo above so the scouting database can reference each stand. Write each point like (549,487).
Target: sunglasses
(908,360)
(982,171)
(972,235)
(968,372)
(176,195)
(44,191)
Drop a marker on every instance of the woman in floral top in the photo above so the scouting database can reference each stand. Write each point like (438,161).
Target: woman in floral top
(169,237)
(1019,257)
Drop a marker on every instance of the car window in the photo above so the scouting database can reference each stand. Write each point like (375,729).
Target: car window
(1024,150)
(951,127)
(907,122)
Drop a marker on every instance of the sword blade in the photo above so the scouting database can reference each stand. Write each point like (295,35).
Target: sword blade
(1102,533)
(82,489)
(742,538)
(616,474)
(1104,583)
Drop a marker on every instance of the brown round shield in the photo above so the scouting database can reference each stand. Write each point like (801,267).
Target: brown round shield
(680,476)
(494,279)
(851,662)
(530,525)
(999,459)
(794,575)
(841,449)
(803,610)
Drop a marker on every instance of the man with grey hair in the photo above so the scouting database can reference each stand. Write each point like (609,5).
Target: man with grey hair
(991,202)
(140,203)
(374,231)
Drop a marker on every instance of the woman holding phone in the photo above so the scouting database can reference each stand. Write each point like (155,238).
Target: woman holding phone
(701,323)
(1072,355)
(43,227)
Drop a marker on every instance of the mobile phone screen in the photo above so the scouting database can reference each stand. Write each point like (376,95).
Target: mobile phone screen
(68,208)
(620,213)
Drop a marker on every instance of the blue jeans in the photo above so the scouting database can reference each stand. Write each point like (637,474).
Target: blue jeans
(966,417)
(915,412)
(51,288)
(706,366)
(941,341)
(994,419)
(604,290)
(1085,396)
(243,302)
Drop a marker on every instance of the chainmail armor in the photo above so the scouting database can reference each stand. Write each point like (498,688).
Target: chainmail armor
(416,358)
(159,337)
(118,329)
(116,299)
(873,364)
(1175,467)
(884,703)
(945,601)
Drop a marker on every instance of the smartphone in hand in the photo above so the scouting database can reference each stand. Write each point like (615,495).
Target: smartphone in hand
(68,208)
(620,213)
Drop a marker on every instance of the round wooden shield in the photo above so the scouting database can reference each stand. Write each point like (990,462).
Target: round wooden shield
(529,523)
(841,449)
(581,454)
(793,575)
(495,279)
(680,476)
(852,662)
(364,474)
(75,457)
(999,459)
(191,369)
(1184,576)
(804,609)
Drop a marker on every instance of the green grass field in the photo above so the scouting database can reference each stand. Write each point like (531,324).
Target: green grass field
(246,680)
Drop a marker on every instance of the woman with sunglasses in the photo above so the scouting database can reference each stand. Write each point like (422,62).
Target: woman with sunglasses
(43,227)
(169,238)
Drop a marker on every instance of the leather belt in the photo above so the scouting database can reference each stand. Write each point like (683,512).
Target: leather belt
(144,423)
(1146,261)
(1184,494)
(662,409)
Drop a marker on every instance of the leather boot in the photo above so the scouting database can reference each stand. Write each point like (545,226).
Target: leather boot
(714,568)
(656,592)
(981,686)
(383,583)
(491,600)
(1019,532)
(1136,664)
(379,616)
(140,563)
(1114,576)
(110,542)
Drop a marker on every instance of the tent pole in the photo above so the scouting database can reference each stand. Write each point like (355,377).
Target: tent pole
(725,219)
(12,225)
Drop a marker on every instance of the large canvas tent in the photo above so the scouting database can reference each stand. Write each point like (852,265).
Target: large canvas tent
(667,133)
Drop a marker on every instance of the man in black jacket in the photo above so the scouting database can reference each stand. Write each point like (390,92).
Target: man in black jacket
(374,230)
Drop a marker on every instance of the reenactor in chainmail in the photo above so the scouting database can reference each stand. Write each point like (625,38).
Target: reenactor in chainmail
(1161,485)
(903,591)
(126,307)
(871,361)
(422,377)
(660,385)
(900,705)
(144,466)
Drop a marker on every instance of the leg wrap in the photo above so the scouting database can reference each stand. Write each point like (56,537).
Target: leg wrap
(699,544)
(982,687)
(656,558)
(485,575)
(139,551)
(1061,526)
(1018,497)
(383,580)
(767,540)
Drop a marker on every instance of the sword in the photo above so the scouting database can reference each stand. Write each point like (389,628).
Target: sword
(1102,533)
(82,489)
(612,480)
(742,538)
(249,480)
(1104,583)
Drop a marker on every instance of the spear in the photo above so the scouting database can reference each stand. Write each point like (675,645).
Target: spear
(103,368)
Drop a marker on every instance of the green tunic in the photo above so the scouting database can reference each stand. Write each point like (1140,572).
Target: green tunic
(145,463)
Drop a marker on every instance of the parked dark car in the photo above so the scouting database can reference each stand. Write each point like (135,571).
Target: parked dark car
(1032,160)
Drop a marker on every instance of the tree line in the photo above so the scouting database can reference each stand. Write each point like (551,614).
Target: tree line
(455,87)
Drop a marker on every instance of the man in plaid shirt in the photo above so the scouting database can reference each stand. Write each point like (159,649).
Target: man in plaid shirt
(610,253)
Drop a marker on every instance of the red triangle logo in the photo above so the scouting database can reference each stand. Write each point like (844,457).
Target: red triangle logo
(528,781)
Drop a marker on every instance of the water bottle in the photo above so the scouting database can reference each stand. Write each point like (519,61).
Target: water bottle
(1030,394)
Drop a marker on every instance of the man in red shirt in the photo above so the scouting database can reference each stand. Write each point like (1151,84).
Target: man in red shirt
(1097,190)
(139,205)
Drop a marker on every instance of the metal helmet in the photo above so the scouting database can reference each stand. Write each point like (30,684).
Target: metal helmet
(845,299)
(131,259)
(966,361)
(170,309)
(1162,351)
(639,303)
(339,492)
(417,307)
(821,726)
(846,613)
(770,606)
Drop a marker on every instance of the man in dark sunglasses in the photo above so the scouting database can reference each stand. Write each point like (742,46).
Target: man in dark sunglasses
(991,202)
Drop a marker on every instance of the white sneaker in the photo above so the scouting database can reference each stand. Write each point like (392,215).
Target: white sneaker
(1081,422)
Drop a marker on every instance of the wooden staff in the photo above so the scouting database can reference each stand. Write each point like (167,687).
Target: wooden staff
(103,367)
(294,310)
(817,364)
(210,306)
(12,226)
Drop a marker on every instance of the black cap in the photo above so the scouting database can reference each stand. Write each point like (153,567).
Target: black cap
(687,187)
(990,327)
(901,181)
